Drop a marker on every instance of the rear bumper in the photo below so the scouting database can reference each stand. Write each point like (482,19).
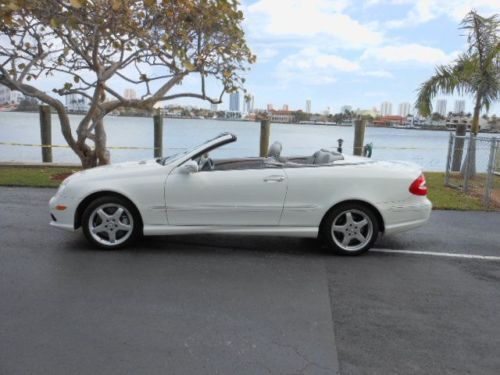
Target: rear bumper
(405,216)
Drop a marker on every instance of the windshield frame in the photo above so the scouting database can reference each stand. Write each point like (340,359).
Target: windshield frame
(206,146)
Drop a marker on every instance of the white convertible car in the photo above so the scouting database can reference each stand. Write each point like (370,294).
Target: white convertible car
(345,200)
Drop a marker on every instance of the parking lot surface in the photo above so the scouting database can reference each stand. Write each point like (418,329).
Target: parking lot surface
(210,304)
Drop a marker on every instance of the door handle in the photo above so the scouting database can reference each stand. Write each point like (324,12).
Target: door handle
(274,178)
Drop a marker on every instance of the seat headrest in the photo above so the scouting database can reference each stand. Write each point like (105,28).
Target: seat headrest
(275,150)
(325,157)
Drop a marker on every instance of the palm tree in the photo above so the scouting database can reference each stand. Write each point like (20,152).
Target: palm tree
(475,72)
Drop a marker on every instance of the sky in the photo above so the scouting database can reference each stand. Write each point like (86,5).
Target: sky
(357,53)
(342,52)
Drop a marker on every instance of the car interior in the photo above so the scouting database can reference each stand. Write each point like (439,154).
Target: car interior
(274,159)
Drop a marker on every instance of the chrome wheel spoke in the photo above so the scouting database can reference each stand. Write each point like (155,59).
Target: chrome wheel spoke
(99,229)
(124,227)
(348,218)
(118,213)
(359,236)
(346,240)
(103,215)
(339,228)
(362,223)
(112,235)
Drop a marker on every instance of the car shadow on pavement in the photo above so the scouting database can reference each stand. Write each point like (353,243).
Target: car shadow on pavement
(216,243)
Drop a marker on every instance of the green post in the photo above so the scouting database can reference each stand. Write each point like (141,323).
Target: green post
(359,136)
(265,131)
(46,133)
(158,134)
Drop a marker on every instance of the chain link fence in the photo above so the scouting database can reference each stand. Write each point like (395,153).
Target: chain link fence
(480,156)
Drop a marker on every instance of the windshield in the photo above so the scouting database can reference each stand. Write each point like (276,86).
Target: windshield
(177,156)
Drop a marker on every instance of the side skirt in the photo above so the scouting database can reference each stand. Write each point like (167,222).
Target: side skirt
(159,230)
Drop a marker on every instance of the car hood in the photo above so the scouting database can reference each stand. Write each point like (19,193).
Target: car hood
(132,168)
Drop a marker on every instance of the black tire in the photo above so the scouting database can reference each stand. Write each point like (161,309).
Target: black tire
(347,239)
(114,223)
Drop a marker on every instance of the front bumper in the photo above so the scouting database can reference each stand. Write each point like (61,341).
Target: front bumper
(63,219)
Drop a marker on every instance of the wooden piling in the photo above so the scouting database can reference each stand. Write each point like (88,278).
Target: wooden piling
(46,133)
(265,132)
(359,136)
(158,134)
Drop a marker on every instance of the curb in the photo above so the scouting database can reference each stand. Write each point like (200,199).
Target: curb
(38,164)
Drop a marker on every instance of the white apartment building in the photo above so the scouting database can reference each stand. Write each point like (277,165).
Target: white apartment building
(404,109)
(7,96)
(308,106)
(386,109)
(234,102)
(249,104)
(441,107)
(459,106)
(129,94)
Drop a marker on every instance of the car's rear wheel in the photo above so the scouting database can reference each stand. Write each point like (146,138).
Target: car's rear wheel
(110,222)
(351,228)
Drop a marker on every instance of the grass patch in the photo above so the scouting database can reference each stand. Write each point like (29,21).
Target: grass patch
(34,176)
(446,198)
(442,197)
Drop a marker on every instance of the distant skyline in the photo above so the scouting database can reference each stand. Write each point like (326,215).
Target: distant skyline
(339,53)
(357,53)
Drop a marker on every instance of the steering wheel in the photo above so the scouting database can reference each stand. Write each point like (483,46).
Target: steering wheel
(205,163)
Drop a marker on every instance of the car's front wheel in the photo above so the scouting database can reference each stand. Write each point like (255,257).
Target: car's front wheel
(110,222)
(351,228)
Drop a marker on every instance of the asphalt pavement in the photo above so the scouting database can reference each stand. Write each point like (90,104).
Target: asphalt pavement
(214,304)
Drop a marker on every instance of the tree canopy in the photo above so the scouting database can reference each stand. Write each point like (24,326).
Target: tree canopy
(154,44)
(475,72)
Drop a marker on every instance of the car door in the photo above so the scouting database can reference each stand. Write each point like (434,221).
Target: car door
(252,197)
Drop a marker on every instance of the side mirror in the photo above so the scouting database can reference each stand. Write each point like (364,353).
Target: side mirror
(189,167)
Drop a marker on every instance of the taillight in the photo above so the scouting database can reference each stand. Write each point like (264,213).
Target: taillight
(418,187)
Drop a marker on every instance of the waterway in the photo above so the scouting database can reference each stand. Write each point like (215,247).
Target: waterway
(424,147)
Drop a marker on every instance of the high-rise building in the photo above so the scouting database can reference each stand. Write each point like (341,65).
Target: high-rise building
(459,106)
(7,96)
(249,103)
(214,107)
(308,106)
(234,101)
(129,94)
(386,109)
(285,107)
(404,109)
(441,107)
(269,107)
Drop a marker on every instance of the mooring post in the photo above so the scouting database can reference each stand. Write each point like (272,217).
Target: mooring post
(359,136)
(46,133)
(158,134)
(265,131)
(458,148)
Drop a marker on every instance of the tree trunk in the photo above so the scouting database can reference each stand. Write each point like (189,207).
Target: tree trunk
(469,166)
(102,154)
(458,148)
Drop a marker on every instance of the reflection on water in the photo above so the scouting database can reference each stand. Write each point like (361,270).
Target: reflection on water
(427,148)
